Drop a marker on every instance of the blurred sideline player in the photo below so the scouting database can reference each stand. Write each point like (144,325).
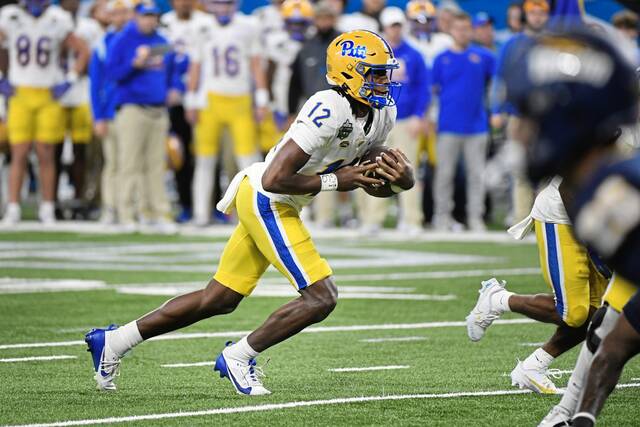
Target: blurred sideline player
(576,138)
(334,128)
(269,17)
(224,63)
(577,280)
(36,33)
(75,102)
(119,12)
(182,27)
(282,47)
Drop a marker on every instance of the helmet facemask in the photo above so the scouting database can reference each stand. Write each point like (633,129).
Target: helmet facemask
(378,90)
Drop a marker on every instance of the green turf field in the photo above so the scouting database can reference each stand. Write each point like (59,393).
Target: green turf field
(402,307)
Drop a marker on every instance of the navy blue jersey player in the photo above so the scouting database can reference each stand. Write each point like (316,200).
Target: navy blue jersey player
(574,91)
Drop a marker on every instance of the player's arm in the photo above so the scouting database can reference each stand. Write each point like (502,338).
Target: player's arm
(281,176)
(260,80)
(190,97)
(79,47)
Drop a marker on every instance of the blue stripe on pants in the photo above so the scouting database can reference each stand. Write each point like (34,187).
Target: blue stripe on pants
(554,268)
(267,215)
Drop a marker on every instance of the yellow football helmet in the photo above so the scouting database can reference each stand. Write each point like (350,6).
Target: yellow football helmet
(297,16)
(419,10)
(357,62)
(296,10)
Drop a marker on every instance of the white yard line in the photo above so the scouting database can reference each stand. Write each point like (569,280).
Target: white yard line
(285,405)
(532,344)
(37,359)
(28,286)
(370,368)
(559,372)
(188,365)
(310,330)
(393,339)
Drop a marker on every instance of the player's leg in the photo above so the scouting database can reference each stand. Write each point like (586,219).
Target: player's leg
(207,142)
(618,293)
(184,175)
(243,130)
(81,134)
(475,158)
(48,134)
(619,346)
(449,147)
(109,176)
(21,133)
(282,238)
(241,265)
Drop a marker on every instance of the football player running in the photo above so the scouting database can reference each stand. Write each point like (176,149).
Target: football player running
(553,81)
(319,152)
(576,277)
(36,33)
(224,64)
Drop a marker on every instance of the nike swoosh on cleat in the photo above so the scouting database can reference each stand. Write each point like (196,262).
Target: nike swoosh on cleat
(233,380)
(540,387)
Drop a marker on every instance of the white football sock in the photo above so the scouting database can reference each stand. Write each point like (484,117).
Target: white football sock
(246,161)
(539,360)
(573,393)
(241,351)
(202,188)
(124,338)
(500,300)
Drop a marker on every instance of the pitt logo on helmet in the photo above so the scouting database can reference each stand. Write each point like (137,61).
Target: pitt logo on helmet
(350,49)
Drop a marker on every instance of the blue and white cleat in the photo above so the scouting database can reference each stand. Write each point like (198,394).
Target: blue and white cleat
(244,376)
(105,362)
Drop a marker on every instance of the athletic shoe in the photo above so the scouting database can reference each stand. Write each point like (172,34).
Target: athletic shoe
(105,362)
(557,417)
(483,314)
(12,215)
(47,213)
(534,379)
(244,376)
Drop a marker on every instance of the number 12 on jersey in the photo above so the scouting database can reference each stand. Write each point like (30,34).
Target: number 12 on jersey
(317,120)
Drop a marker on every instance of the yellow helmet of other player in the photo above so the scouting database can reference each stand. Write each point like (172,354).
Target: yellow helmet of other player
(361,63)
(296,10)
(420,10)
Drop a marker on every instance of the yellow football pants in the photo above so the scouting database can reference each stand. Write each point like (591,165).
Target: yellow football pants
(78,123)
(34,116)
(234,112)
(568,270)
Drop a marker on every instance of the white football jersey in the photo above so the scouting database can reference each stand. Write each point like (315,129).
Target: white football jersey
(184,33)
(225,52)
(282,50)
(548,206)
(89,31)
(269,19)
(438,43)
(328,131)
(34,44)
(357,21)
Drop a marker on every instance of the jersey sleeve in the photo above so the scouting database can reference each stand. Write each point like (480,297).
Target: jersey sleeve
(316,124)
(6,20)
(64,25)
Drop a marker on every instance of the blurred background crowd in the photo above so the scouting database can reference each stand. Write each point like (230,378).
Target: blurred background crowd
(139,113)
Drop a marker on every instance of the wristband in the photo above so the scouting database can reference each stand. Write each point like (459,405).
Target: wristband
(71,77)
(261,97)
(586,415)
(190,100)
(396,189)
(328,182)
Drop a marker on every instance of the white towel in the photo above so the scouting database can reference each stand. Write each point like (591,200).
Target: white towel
(227,202)
(521,229)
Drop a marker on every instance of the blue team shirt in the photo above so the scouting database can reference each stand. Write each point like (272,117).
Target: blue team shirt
(415,93)
(496,99)
(462,79)
(102,88)
(147,86)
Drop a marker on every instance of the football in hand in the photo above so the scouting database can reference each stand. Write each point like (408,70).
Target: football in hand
(370,157)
